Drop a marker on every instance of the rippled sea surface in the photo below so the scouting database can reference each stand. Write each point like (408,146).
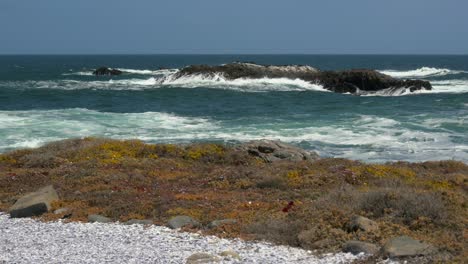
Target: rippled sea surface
(48,98)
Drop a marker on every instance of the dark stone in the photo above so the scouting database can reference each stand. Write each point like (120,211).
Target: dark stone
(35,203)
(106,71)
(358,81)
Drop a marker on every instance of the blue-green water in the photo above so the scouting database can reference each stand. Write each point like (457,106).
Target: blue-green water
(47,98)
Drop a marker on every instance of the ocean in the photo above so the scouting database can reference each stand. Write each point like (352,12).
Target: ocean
(49,98)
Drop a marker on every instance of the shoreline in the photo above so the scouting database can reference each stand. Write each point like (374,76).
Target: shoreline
(263,190)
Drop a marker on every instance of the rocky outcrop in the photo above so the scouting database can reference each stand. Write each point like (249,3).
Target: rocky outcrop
(106,71)
(359,81)
(35,203)
(271,151)
(250,70)
(405,246)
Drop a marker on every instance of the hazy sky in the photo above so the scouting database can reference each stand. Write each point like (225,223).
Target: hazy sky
(234,26)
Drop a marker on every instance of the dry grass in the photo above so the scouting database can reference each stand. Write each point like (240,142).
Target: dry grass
(130,179)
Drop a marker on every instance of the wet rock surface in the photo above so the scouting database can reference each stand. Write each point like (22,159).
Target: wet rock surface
(356,81)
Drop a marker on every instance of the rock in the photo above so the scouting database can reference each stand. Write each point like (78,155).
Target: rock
(106,71)
(365,81)
(35,203)
(362,223)
(357,81)
(139,222)
(271,151)
(405,246)
(182,221)
(356,247)
(217,223)
(98,219)
(202,258)
(230,254)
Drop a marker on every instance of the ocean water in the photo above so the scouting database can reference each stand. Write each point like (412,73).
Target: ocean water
(48,98)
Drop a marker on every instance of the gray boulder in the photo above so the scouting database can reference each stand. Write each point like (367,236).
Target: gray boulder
(356,247)
(182,221)
(35,203)
(198,258)
(139,222)
(405,246)
(217,223)
(98,219)
(271,151)
(363,224)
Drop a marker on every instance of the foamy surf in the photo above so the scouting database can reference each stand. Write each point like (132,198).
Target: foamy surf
(421,72)
(364,137)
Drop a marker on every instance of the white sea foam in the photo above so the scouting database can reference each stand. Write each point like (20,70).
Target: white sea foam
(218,81)
(80,73)
(149,72)
(169,81)
(421,72)
(363,137)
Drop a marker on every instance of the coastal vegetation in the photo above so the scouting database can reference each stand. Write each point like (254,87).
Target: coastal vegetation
(307,203)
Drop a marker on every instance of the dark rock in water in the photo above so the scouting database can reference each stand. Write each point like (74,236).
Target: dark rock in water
(354,81)
(271,151)
(360,81)
(35,203)
(405,246)
(250,70)
(106,71)
(357,247)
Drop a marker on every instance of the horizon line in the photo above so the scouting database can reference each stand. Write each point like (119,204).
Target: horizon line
(233,54)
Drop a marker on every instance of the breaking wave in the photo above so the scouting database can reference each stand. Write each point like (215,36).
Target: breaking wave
(365,137)
(421,72)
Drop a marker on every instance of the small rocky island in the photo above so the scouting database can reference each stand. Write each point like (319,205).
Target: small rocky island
(356,81)
(106,71)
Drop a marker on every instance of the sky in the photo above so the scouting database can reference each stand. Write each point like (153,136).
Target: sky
(234,27)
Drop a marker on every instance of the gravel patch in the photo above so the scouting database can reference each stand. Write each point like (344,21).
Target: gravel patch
(31,241)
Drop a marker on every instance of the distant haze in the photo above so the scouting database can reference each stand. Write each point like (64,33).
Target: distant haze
(241,26)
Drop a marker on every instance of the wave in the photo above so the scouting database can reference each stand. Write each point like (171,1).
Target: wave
(169,81)
(363,137)
(421,72)
(126,71)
